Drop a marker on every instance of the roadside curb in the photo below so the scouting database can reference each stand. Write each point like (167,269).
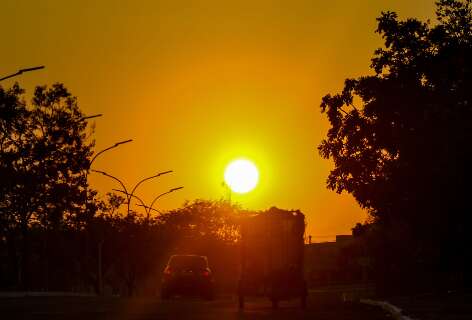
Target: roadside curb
(394,311)
(44,294)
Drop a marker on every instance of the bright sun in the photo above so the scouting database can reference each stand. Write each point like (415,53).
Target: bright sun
(241,176)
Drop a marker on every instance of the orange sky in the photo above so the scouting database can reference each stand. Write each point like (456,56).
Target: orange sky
(198,83)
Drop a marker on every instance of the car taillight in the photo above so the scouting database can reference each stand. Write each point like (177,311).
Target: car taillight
(168,271)
(206,273)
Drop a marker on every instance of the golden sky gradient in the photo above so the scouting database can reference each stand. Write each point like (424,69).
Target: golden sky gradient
(199,83)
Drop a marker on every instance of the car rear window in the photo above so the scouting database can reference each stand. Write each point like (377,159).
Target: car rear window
(188,262)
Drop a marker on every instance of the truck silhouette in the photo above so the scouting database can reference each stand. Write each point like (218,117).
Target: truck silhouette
(272,248)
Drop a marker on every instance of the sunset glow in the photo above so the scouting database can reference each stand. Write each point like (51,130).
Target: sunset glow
(198,85)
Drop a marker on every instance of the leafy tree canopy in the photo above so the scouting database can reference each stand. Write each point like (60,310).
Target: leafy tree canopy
(400,138)
(43,154)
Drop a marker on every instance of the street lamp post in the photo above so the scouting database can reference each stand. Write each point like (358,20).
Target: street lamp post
(130,195)
(100,281)
(95,157)
(228,190)
(145,179)
(109,148)
(148,209)
(100,243)
(160,195)
(21,71)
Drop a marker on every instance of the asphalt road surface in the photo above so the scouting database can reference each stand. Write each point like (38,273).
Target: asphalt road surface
(89,308)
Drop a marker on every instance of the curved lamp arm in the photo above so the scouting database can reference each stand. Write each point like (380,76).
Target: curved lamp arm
(90,117)
(149,178)
(113,177)
(113,146)
(145,179)
(162,194)
(22,71)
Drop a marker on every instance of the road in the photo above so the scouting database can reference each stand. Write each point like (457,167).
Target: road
(90,308)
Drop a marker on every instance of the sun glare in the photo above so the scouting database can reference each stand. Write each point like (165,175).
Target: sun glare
(241,176)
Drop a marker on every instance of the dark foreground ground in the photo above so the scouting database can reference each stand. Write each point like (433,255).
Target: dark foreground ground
(89,308)
(450,306)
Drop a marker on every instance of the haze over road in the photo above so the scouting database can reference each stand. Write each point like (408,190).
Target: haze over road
(52,308)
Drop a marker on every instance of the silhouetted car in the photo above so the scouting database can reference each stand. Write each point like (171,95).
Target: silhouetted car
(187,275)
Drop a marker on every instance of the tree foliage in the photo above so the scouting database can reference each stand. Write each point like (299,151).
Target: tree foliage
(43,154)
(203,218)
(400,138)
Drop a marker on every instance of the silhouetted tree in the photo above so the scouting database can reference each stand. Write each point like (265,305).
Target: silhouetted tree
(199,218)
(43,154)
(400,141)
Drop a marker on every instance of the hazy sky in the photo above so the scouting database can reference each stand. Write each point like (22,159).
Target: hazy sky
(198,83)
